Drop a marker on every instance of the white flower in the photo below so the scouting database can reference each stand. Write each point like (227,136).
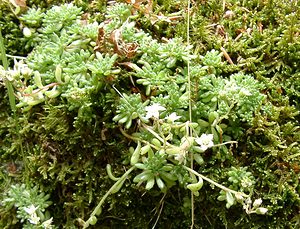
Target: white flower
(153,110)
(245,92)
(31,209)
(205,141)
(257,203)
(47,224)
(27,32)
(172,117)
(34,219)
(228,14)
(25,70)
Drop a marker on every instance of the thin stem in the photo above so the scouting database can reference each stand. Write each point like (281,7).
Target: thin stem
(41,89)
(190,108)
(16,57)
(155,134)
(188,63)
(213,182)
(225,143)
(138,139)
(3,54)
(98,207)
(161,202)
(10,90)
(121,95)
(12,99)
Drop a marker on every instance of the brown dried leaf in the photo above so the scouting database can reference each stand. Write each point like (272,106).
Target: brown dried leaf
(116,39)
(20,3)
(130,49)
(100,40)
(226,55)
(120,47)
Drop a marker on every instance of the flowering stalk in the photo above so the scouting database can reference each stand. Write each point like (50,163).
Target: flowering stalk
(117,185)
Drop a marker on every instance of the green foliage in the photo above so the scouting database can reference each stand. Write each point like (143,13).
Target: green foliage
(242,181)
(118,15)
(171,144)
(235,98)
(10,30)
(33,17)
(68,91)
(60,16)
(130,108)
(213,60)
(241,178)
(30,203)
(63,62)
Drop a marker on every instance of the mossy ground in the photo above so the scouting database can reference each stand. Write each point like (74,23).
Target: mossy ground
(49,148)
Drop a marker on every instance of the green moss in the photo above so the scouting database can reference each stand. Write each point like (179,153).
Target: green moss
(63,143)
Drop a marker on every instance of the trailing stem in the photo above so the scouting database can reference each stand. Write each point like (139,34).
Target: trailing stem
(215,183)
(113,189)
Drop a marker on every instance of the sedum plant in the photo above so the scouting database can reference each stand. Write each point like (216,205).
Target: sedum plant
(30,204)
(236,98)
(62,63)
(180,113)
(166,142)
(67,64)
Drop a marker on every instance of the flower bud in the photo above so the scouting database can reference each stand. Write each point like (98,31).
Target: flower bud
(261,211)
(229,14)
(27,32)
(257,203)
(239,197)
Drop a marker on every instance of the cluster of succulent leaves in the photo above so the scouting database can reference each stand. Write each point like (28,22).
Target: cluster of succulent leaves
(82,81)
(21,198)
(10,24)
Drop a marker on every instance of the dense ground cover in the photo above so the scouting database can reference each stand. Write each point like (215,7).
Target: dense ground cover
(114,115)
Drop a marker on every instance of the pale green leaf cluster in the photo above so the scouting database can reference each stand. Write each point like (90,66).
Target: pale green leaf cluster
(236,98)
(66,67)
(130,108)
(65,60)
(23,199)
